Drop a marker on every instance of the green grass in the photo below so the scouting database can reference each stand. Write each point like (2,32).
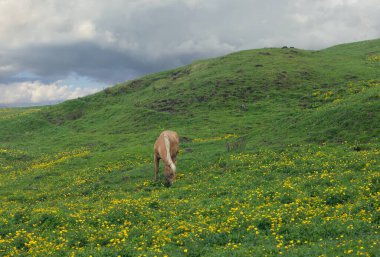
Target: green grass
(279,155)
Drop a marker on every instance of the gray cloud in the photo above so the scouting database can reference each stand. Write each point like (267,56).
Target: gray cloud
(113,41)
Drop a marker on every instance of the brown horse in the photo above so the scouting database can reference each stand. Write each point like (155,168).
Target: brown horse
(166,148)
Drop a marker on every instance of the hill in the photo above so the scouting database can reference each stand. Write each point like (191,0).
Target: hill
(279,155)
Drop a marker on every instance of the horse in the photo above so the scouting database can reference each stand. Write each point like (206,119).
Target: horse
(166,149)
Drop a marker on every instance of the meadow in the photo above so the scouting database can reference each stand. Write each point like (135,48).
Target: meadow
(279,157)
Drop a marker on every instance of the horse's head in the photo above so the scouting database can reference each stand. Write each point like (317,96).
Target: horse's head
(170,175)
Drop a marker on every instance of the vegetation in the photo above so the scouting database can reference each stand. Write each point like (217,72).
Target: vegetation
(279,156)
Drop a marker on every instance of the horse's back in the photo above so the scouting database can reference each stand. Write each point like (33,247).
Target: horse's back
(173,139)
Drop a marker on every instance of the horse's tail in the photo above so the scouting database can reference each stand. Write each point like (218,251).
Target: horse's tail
(169,157)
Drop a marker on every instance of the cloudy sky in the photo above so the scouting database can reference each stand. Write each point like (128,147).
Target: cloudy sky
(52,50)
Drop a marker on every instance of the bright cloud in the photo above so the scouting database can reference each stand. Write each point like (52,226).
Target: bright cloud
(35,92)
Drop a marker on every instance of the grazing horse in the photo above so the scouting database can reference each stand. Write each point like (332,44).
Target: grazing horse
(166,148)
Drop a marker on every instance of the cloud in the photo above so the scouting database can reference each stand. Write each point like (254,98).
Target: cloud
(114,41)
(29,93)
(328,22)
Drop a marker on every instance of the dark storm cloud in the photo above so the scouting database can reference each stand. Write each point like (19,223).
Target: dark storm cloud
(55,62)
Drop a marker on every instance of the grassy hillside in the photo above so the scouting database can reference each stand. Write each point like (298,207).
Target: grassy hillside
(279,155)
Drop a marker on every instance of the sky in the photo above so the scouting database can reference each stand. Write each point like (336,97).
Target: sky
(54,50)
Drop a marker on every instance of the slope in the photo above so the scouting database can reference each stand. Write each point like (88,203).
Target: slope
(279,155)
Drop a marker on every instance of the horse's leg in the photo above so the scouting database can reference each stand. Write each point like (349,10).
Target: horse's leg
(175,163)
(156,165)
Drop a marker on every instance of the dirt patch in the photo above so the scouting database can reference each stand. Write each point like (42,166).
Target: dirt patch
(166,105)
